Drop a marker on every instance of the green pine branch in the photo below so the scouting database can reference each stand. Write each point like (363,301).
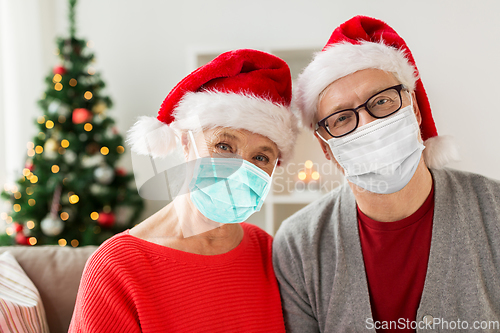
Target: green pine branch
(76,150)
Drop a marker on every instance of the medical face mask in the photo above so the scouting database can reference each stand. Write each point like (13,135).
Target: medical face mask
(228,190)
(381,156)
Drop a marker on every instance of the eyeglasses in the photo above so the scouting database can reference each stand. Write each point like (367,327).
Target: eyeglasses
(381,105)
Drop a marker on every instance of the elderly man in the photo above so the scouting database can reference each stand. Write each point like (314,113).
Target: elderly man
(406,244)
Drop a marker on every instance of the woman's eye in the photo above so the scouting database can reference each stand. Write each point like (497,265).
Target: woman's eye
(261,158)
(223,146)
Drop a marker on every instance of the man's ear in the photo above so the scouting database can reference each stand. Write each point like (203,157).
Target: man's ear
(415,108)
(324,146)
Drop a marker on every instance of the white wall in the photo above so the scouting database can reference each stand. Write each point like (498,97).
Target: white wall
(142,50)
(22,71)
(3,169)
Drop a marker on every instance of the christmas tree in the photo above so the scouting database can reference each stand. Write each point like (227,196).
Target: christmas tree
(71,193)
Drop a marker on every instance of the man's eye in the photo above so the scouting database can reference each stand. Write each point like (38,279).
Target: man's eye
(382,101)
(341,119)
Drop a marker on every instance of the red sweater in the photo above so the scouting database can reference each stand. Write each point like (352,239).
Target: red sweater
(132,285)
(396,256)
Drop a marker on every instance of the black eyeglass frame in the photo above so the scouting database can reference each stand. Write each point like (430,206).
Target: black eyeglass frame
(322,122)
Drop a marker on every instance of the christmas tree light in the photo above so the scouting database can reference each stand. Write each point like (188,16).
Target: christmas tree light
(70,191)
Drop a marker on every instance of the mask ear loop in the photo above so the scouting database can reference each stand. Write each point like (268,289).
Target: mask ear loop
(321,137)
(411,102)
(270,182)
(275,165)
(264,172)
(194,144)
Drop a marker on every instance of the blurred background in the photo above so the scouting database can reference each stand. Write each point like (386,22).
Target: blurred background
(143,48)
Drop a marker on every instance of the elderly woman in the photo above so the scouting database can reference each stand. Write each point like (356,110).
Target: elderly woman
(194,266)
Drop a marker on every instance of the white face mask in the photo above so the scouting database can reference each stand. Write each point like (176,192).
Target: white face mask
(383,155)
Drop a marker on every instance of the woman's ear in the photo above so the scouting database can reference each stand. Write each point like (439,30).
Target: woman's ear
(185,144)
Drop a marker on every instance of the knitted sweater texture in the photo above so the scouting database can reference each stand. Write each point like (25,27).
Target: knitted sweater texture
(131,285)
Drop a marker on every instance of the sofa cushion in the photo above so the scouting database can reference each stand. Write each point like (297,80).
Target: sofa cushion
(21,309)
(56,272)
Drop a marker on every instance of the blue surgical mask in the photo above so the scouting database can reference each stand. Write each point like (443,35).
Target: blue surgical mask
(228,190)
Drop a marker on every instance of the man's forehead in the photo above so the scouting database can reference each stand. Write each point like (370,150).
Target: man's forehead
(356,88)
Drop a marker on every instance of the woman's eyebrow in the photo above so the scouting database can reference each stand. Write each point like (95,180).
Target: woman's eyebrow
(268,149)
(228,136)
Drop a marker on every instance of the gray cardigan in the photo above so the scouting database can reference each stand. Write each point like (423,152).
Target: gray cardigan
(319,264)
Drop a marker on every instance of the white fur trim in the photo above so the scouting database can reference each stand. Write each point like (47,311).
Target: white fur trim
(242,111)
(149,136)
(439,151)
(342,59)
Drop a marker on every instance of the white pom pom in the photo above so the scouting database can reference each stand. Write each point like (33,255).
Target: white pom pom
(439,151)
(149,136)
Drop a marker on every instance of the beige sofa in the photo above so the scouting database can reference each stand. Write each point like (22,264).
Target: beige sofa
(56,273)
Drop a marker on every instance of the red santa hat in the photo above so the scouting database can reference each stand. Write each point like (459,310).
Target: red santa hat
(243,89)
(361,43)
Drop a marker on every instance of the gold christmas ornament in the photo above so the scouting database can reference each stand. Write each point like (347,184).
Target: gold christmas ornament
(50,147)
(99,108)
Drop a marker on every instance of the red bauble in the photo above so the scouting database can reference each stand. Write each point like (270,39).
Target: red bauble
(29,165)
(17,227)
(120,172)
(60,70)
(81,116)
(106,220)
(21,239)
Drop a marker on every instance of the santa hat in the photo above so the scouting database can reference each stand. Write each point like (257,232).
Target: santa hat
(361,43)
(242,89)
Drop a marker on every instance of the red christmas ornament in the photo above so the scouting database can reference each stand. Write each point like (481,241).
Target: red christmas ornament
(21,239)
(106,220)
(120,172)
(81,116)
(59,70)
(29,165)
(17,227)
